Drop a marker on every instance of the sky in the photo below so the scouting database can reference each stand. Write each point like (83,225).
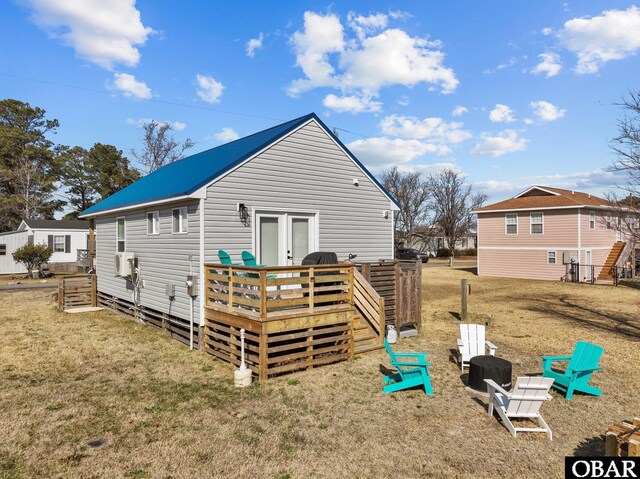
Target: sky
(510,94)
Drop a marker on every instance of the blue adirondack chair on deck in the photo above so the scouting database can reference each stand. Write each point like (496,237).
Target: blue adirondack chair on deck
(411,373)
(249,260)
(224,258)
(582,364)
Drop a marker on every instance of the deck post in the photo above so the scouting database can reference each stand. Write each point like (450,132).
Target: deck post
(351,286)
(382,321)
(61,294)
(230,279)
(400,301)
(464,290)
(312,282)
(207,281)
(263,356)
(94,290)
(263,295)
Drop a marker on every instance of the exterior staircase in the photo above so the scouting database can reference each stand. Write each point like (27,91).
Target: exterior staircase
(613,257)
(368,316)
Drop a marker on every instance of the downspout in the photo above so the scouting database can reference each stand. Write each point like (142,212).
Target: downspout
(393,236)
(579,240)
(478,244)
(192,298)
(202,259)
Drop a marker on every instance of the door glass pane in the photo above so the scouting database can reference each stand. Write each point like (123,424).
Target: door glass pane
(269,241)
(299,239)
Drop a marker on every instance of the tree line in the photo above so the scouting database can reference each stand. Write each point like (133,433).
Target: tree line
(39,178)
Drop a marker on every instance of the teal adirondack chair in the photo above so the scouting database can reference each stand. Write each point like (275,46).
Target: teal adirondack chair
(582,364)
(411,373)
(224,258)
(250,260)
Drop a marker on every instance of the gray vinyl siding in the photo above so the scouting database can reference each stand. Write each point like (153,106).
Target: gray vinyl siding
(163,259)
(306,171)
(12,240)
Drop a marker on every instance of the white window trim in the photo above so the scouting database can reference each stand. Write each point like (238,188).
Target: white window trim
(592,220)
(555,257)
(124,229)
(506,232)
(155,223)
(531,223)
(184,214)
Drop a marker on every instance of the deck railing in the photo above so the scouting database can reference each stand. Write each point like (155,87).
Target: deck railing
(279,292)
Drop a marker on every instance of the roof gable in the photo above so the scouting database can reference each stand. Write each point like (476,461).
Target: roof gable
(185,177)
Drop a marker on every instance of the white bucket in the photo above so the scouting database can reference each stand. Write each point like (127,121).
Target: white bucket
(392,334)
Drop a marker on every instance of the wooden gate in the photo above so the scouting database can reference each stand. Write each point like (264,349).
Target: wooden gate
(400,284)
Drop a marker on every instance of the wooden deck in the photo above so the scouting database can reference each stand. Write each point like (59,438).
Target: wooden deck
(295,317)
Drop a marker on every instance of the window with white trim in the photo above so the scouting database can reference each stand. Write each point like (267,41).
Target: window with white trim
(551,257)
(180,217)
(120,235)
(537,226)
(58,243)
(3,249)
(511,223)
(608,218)
(153,222)
(592,220)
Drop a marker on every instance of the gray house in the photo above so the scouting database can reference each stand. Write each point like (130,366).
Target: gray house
(280,193)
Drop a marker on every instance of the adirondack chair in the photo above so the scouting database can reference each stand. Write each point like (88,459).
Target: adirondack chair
(582,364)
(472,343)
(523,401)
(414,371)
(250,260)
(224,258)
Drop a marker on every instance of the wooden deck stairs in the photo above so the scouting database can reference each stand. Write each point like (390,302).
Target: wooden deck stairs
(368,316)
(612,259)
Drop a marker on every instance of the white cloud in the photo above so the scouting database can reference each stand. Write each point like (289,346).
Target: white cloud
(613,35)
(459,110)
(226,134)
(130,87)
(178,125)
(550,65)
(501,114)
(546,31)
(209,89)
(383,151)
(351,103)
(546,111)
(104,32)
(404,100)
(500,144)
(434,129)
(254,44)
(375,58)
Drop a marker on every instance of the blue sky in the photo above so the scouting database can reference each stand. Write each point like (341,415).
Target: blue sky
(509,93)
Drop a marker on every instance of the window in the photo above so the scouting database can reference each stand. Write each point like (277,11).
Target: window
(608,221)
(58,243)
(3,249)
(153,223)
(121,235)
(511,222)
(180,220)
(536,223)
(551,257)
(592,220)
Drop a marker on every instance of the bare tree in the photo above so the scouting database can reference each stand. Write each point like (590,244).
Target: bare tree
(452,204)
(411,192)
(626,145)
(159,146)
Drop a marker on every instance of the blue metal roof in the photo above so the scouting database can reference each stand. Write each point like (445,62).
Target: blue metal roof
(186,176)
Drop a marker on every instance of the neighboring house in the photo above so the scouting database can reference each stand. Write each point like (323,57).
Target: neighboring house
(65,237)
(280,193)
(541,231)
(432,238)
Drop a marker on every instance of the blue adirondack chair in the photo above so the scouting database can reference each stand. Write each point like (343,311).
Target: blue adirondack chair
(582,364)
(224,258)
(250,260)
(412,372)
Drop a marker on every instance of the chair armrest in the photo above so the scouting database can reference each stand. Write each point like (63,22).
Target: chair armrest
(400,364)
(493,385)
(411,355)
(585,370)
(556,358)
(492,348)
(460,342)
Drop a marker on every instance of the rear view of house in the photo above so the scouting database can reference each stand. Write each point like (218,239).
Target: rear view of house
(553,234)
(64,237)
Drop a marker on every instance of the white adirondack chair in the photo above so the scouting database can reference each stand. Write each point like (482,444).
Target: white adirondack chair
(472,343)
(523,401)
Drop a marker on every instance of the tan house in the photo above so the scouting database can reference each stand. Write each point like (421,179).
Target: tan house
(554,234)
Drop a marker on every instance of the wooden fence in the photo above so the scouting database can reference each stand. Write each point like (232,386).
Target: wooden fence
(400,284)
(77,291)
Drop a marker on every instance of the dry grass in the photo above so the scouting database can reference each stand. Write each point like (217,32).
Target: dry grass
(168,413)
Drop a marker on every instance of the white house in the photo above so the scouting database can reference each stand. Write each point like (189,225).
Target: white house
(65,237)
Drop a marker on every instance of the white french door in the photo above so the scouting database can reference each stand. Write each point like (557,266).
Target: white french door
(588,264)
(283,238)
